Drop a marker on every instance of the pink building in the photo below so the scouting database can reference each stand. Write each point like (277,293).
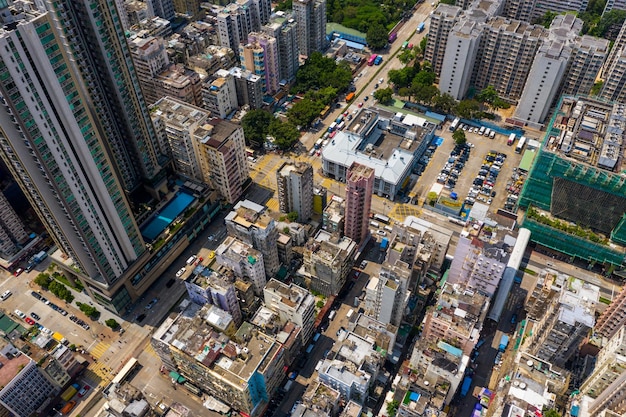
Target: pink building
(359,186)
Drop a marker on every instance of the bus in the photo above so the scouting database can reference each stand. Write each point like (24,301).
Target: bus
(381,218)
(325,112)
(511,139)
(520,144)
(455,124)
(405,44)
(371,59)
(126,371)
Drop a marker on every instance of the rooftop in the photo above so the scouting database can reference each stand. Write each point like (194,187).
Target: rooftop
(247,214)
(179,114)
(460,307)
(12,361)
(291,295)
(234,361)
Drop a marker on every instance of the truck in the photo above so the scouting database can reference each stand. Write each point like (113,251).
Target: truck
(68,407)
(349,314)
(384,243)
(504,342)
(349,97)
(420,27)
(332,127)
(467,382)
(70,392)
(378,60)
(40,256)
(318,144)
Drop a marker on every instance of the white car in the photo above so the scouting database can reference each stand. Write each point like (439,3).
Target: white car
(180,272)
(381,80)
(19,314)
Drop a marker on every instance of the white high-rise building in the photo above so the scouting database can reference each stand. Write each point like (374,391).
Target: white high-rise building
(310,16)
(292,303)
(219,94)
(245,261)
(295,189)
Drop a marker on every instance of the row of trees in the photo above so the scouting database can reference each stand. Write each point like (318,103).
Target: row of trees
(47,282)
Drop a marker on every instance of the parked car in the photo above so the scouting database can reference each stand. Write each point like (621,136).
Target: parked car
(19,314)
(35,316)
(84,390)
(180,272)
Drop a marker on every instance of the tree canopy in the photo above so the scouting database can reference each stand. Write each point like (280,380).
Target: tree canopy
(459,137)
(255,125)
(363,14)
(320,72)
(384,95)
(377,36)
(303,112)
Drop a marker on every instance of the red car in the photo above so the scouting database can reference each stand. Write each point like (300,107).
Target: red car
(18,271)
(29,321)
(84,390)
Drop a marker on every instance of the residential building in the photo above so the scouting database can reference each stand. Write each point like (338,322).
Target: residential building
(239,18)
(479,265)
(616,50)
(354,367)
(219,94)
(460,58)
(614,78)
(310,16)
(386,295)
(242,371)
(269,66)
(189,8)
(99,153)
(249,223)
(12,230)
(359,187)
(320,199)
(180,82)
(211,60)
(609,371)
(294,182)
(220,149)
(153,26)
(519,9)
(291,303)
(136,11)
(249,87)
(333,217)
(206,286)
(613,318)
(614,4)
(560,313)
(320,399)
(564,64)
(575,176)
(383,335)
(285,332)
(431,232)
(25,390)
(327,261)
(442,21)
(150,57)
(507,52)
(557,6)
(457,318)
(162,8)
(407,136)
(284,243)
(284,28)
(245,261)
(176,123)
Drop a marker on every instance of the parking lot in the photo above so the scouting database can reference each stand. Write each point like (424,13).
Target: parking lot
(480,147)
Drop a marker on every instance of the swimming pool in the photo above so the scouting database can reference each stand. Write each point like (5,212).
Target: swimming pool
(166,215)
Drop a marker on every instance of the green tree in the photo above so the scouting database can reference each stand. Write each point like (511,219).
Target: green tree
(546,19)
(325,95)
(406,56)
(423,43)
(255,125)
(112,323)
(597,87)
(384,95)
(285,134)
(320,304)
(488,95)
(405,92)
(551,412)
(392,407)
(43,280)
(424,93)
(432,198)
(443,102)
(459,137)
(450,2)
(467,109)
(377,36)
(292,216)
(425,77)
(304,112)
(609,24)
(88,310)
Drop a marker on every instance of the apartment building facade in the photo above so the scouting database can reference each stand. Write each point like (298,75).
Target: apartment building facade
(310,16)
(294,182)
(359,188)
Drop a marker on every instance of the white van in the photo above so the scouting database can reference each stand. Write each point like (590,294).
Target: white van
(374,224)
(481,131)
(6,295)
(191,259)
(388,228)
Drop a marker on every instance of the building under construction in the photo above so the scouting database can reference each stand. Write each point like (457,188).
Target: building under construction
(575,194)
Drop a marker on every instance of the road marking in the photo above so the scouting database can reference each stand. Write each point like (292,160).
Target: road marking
(99,350)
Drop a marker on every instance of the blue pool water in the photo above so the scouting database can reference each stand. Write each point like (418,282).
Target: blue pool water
(166,215)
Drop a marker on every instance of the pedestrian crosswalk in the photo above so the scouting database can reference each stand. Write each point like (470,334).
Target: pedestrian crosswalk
(100,349)
(98,374)
(272,204)
(150,350)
